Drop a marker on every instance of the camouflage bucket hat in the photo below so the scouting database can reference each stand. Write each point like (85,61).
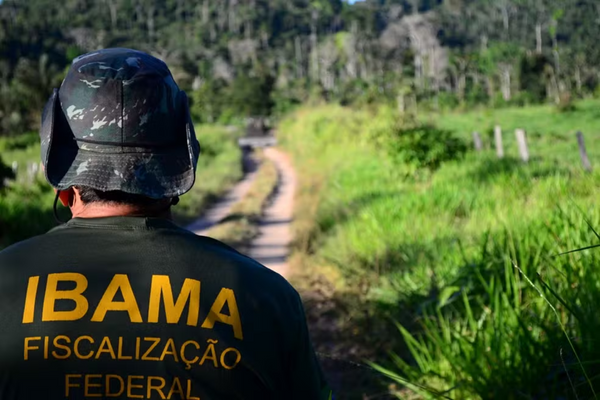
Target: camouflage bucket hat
(119,122)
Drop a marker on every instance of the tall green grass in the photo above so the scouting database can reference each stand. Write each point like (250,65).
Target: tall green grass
(462,255)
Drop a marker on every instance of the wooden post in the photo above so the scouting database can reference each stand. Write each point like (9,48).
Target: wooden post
(583,153)
(498,139)
(522,141)
(31,172)
(401,104)
(477,141)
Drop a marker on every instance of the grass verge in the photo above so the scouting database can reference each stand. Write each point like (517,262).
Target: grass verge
(385,243)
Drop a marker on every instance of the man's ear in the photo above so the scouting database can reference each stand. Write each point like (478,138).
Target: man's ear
(66,197)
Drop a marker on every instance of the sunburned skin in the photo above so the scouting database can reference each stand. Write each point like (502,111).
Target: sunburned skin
(71,198)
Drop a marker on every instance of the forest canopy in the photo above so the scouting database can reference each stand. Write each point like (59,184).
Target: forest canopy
(256,57)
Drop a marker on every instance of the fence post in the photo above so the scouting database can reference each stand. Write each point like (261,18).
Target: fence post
(30,172)
(477,141)
(583,153)
(522,141)
(498,139)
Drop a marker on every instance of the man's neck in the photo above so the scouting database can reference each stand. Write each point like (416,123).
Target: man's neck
(109,210)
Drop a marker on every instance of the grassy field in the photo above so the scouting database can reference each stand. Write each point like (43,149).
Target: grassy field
(26,205)
(461,254)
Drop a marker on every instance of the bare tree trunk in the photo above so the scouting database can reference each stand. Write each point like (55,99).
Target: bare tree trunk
(418,70)
(314,64)
(538,38)
(299,63)
(505,80)
(578,78)
(505,16)
(139,13)
(222,15)
(415,6)
(400,103)
(368,64)
(113,8)
(363,71)
(552,87)
(205,12)
(150,21)
(418,60)
(555,48)
(489,83)
(461,86)
(351,65)
(248,29)
(232,26)
(179,11)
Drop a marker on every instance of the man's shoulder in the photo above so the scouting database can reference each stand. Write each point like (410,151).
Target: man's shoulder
(249,269)
(26,246)
(257,271)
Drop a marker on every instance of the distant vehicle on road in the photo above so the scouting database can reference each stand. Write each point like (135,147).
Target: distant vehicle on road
(258,134)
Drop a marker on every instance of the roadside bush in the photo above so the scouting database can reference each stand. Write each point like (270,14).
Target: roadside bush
(424,146)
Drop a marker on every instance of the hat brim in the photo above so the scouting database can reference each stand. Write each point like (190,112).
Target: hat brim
(154,173)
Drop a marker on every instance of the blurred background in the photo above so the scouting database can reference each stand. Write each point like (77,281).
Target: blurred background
(446,153)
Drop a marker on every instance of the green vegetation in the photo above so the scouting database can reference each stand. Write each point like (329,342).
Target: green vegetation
(26,204)
(239,227)
(399,215)
(242,58)
(440,250)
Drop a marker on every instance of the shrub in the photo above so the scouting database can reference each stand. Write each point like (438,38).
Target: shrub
(424,146)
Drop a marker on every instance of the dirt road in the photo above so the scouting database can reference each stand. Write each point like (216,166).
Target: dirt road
(221,208)
(271,246)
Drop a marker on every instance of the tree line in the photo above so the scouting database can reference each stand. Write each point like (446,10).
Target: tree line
(257,57)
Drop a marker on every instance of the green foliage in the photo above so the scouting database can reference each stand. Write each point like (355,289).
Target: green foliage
(506,330)
(427,146)
(26,210)
(421,145)
(437,254)
(360,54)
(209,101)
(6,173)
(532,76)
(252,95)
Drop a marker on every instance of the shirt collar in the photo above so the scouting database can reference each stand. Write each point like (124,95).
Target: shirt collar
(122,222)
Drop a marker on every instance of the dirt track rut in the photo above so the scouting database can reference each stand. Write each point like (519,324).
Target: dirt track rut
(271,246)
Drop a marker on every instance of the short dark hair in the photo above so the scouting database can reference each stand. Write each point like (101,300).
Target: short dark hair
(90,195)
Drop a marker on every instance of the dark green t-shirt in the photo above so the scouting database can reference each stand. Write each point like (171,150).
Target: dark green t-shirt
(138,308)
